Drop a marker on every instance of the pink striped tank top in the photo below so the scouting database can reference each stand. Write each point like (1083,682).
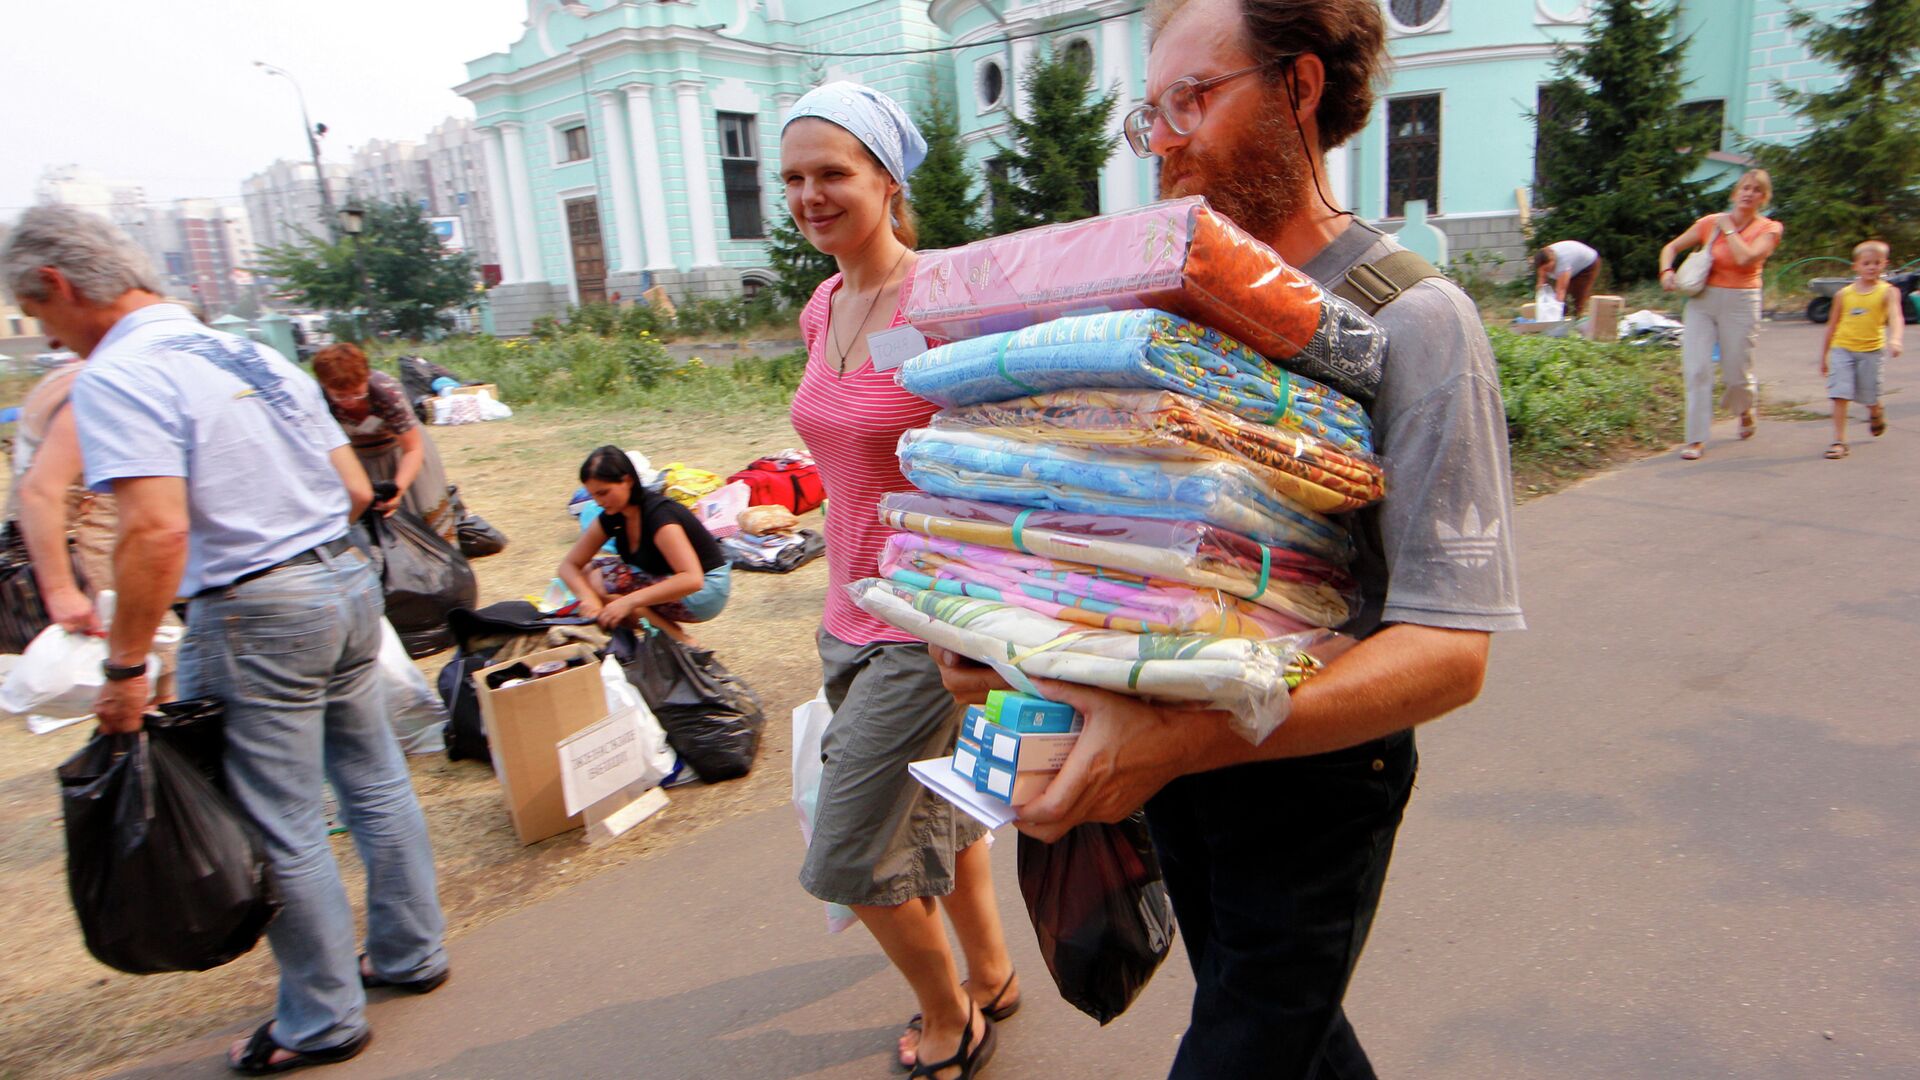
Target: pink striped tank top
(852,426)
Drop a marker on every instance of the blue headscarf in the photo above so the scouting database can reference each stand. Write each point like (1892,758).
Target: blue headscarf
(873,118)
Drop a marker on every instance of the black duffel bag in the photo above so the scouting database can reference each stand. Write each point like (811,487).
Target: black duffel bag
(711,717)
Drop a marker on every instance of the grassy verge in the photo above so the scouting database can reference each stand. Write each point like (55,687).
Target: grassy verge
(1575,406)
(585,370)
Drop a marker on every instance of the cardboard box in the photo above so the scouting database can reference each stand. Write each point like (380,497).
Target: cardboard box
(1025,713)
(490,389)
(1604,315)
(966,758)
(1014,788)
(525,725)
(1024,751)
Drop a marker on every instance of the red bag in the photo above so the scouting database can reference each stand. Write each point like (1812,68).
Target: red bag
(795,485)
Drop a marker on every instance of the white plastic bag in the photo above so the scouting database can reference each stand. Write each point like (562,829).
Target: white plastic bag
(491,409)
(809,727)
(1547,307)
(59,675)
(413,708)
(622,696)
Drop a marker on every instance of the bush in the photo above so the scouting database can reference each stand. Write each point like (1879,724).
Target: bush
(1574,401)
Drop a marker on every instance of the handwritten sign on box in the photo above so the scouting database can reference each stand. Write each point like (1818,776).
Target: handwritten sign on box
(602,758)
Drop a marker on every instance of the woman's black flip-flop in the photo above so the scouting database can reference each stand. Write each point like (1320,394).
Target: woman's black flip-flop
(257,1058)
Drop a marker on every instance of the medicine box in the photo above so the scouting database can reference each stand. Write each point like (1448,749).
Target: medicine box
(1014,788)
(966,758)
(976,725)
(1026,713)
(1029,751)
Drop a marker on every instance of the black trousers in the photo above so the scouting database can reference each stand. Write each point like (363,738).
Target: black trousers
(1275,871)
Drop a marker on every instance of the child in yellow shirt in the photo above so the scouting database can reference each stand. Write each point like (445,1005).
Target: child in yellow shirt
(1866,323)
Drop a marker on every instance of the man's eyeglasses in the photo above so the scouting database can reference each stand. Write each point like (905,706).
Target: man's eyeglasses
(1182,105)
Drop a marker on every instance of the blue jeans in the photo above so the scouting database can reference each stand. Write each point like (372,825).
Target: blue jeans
(293,656)
(1275,870)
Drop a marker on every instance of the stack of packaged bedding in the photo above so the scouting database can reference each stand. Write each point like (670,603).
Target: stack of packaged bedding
(1119,493)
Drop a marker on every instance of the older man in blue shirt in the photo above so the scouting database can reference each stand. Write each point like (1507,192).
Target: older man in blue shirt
(235,489)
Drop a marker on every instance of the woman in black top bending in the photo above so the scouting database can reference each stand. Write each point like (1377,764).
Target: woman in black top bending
(669,570)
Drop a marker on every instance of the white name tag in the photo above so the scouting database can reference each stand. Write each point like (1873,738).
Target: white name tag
(891,348)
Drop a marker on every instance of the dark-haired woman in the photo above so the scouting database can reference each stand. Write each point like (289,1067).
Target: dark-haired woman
(882,844)
(669,569)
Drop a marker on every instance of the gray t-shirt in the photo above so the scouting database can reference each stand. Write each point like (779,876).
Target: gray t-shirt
(1438,550)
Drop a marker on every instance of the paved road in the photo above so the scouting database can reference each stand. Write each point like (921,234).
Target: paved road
(1676,837)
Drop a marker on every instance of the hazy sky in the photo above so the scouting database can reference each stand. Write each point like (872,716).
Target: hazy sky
(164,92)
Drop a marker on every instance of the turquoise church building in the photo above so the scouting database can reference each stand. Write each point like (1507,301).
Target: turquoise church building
(634,143)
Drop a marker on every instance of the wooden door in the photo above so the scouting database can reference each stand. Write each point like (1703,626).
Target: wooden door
(589,250)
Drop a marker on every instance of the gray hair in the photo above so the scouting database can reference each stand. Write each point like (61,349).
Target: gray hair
(101,261)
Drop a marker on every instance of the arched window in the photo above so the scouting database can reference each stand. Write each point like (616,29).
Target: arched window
(1079,53)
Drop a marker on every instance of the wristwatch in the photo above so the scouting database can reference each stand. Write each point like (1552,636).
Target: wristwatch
(117,673)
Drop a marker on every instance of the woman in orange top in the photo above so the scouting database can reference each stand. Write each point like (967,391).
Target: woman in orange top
(1727,314)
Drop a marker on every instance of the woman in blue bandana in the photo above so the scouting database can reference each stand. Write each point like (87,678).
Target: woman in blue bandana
(882,844)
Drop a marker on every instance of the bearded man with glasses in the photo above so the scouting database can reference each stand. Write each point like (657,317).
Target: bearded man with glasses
(1276,854)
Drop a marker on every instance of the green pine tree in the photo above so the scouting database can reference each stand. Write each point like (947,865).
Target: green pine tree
(1616,149)
(395,270)
(1856,173)
(944,201)
(1052,170)
(799,264)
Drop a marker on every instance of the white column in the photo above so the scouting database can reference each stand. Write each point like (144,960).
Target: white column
(500,206)
(1022,55)
(526,236)
(1338,176)
(1122,168)
(648,177)
(626,209)
(693,167)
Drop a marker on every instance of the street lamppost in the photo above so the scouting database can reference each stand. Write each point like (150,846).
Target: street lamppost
(352,221)
(313,142)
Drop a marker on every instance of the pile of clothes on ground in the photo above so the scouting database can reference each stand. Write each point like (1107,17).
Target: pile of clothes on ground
(754,513)
(1151,498)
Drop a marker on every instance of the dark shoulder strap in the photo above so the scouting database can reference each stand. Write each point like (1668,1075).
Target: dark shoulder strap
(1372,286)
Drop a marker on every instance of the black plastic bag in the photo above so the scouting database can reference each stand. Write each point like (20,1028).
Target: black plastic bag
(1100,912)
(22,612)
(712,719)
(466,734)
(422,577)
(478,538)
(166,873)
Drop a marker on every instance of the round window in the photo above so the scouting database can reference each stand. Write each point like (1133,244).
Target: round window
(1080,56)
(1414,14)
(992,83)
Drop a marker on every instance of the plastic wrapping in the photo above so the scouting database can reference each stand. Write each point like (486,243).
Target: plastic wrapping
(1190,552)
(1162,424)
(1248,679)
(1089,595)
(1044,476)
(1100,912)
(1177,255)
(166,873)
(1136,350)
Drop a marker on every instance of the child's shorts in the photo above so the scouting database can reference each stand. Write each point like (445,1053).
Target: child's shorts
(1853,376)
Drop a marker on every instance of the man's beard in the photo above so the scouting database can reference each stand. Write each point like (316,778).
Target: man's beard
(1260,184)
